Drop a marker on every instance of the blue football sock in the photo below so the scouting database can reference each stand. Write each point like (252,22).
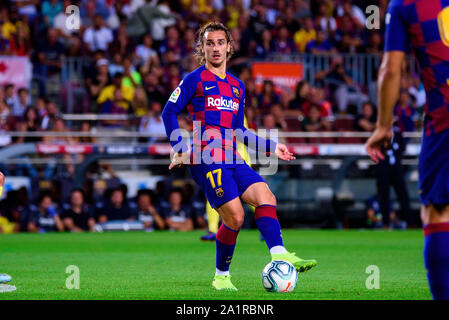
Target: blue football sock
(436,259)
(225,243)
(268,225)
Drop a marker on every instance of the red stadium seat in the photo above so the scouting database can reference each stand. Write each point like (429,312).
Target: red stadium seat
(346,124)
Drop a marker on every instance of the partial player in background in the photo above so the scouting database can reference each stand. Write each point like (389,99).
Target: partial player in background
(425,25)
(215,100)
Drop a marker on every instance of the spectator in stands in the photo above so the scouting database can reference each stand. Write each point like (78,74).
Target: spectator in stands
(354,15)
(320,45)
(99,80)
(152,124)
(417,92)
(143,18)
(10,97)
(30,123)
(314,122)
(277,112)
(155,92)
(304,35)
(139,105)
(132,77)
(324,21)
(366,121)
(21,103)
(5,110)
(98,36)
(50,9)
(116,66)
(59,22)
(109,92)
(404,112)
(290,21)
(145,54)
(177,216)
(172,43)
(258,21)
(302,95)
(265,45)
(49,54)
(147,212)
(267,97)
(341,85)
(283,42)
(20,44)
(318,96)
(121,43)
(114,107)
(116,208)
(52,114)
(349,43)
(45,216)
(77,216)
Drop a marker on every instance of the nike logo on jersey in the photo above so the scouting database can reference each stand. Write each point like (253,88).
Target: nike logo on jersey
(208,88)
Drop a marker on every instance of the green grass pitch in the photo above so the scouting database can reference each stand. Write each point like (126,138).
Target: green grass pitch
(171,265)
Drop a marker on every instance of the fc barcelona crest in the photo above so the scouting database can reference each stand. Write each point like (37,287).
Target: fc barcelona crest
(236,92)
(219,192)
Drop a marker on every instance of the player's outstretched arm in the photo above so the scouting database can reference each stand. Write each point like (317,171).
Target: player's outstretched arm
(389,82)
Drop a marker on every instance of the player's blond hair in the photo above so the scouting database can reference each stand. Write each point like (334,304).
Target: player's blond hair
(211,26)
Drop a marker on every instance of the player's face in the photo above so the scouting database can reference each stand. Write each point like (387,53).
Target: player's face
(216,47)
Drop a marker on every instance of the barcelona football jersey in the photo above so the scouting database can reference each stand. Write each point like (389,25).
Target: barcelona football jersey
(424,24)
(216,105)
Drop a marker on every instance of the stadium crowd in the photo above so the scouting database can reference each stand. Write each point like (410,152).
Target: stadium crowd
(137,51)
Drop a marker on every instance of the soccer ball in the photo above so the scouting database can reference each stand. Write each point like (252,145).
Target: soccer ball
(279,276)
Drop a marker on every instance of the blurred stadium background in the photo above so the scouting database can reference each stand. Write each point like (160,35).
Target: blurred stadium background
(81,109)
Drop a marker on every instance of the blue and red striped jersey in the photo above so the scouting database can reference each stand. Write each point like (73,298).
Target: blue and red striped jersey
(216,105)
(425,25)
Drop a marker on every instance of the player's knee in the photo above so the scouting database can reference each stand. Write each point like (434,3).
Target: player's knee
(237,222)
(269,198)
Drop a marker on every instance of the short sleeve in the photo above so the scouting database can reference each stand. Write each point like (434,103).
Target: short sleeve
(396,38)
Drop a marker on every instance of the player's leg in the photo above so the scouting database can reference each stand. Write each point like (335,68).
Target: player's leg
(433,169)
(232,215)
(221,191)
(212,223)
(254,190)
(436,249)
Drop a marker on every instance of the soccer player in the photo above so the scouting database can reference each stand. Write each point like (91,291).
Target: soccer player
(424,24)
(215,100)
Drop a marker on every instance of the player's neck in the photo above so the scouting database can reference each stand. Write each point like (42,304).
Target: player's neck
(219,70)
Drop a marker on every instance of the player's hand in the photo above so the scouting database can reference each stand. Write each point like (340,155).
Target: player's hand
(381,137)
(283,153)
(178,160)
